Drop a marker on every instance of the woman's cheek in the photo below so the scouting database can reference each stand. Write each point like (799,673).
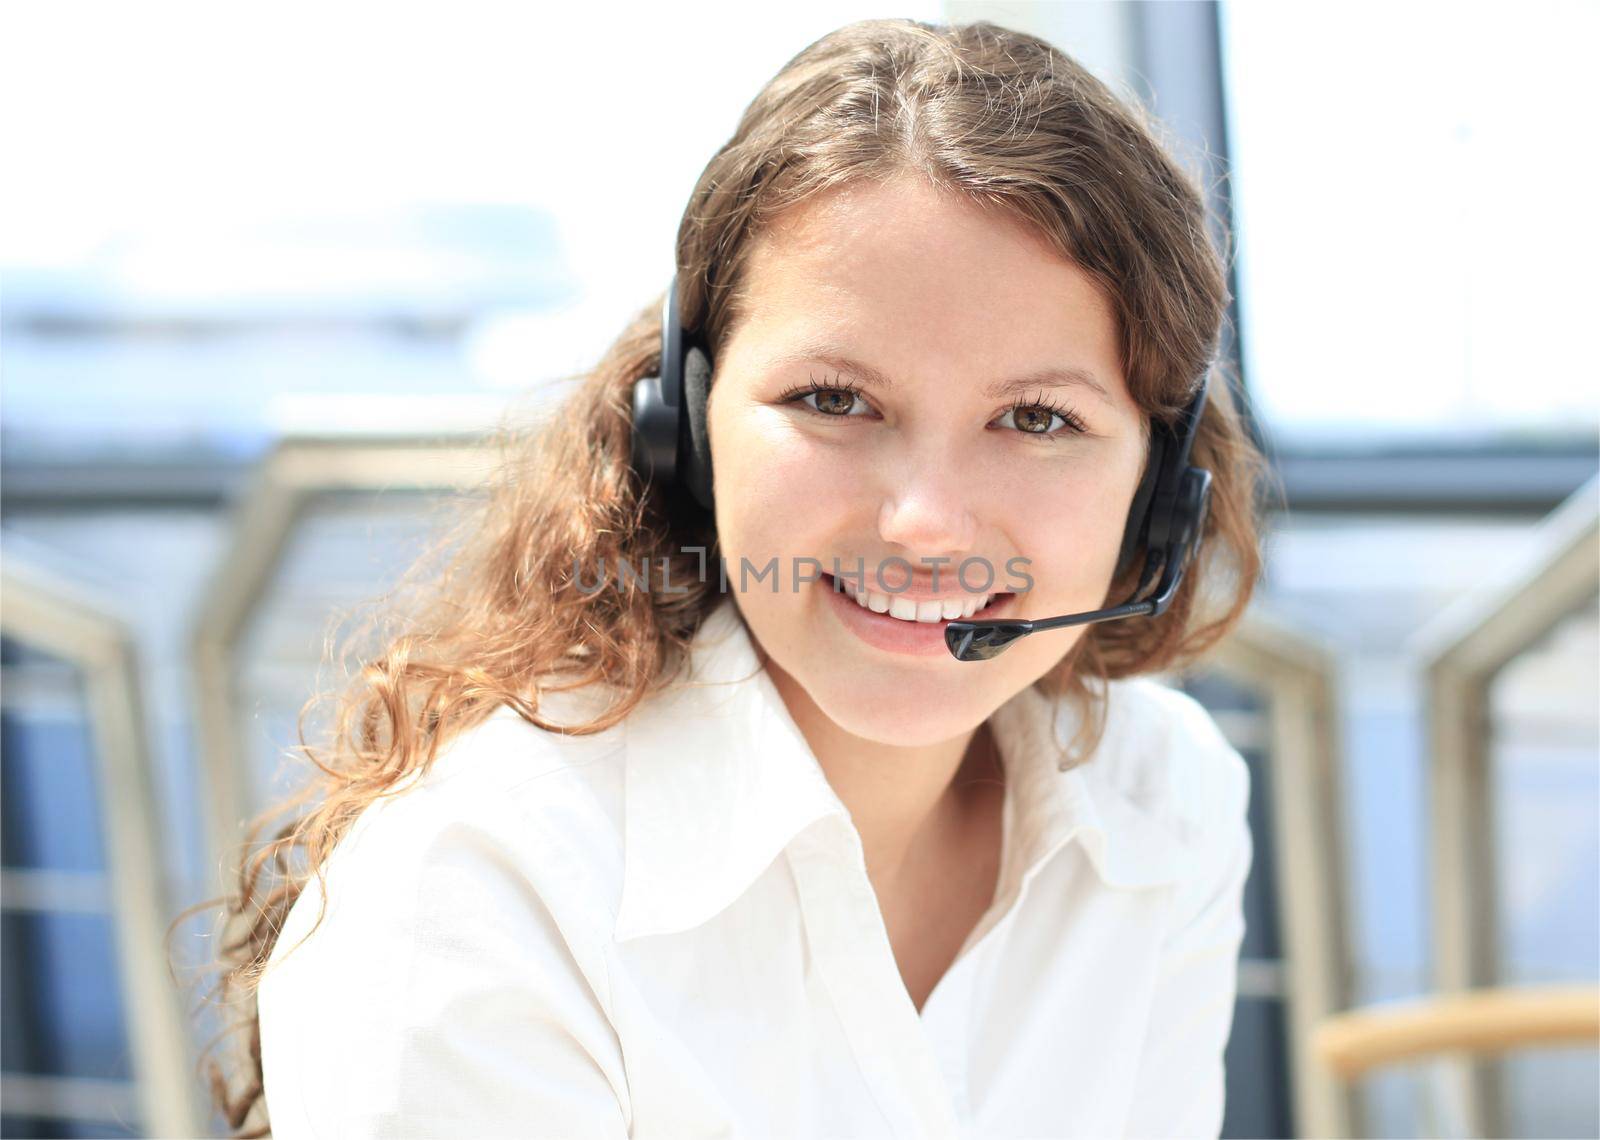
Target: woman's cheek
(759,474)
(784,473)
(1071,552)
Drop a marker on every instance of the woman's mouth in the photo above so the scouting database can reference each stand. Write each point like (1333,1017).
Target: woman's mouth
(902,608)
(902,624)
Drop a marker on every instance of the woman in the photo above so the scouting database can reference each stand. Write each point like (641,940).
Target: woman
(708,850)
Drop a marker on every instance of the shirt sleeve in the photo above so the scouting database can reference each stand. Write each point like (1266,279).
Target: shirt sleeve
(1179,1089)
(439,997)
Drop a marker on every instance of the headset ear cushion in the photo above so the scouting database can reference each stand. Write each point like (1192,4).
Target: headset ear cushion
(696,393)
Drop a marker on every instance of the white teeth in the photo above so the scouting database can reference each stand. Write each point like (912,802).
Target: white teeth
(976,604)
(907,610)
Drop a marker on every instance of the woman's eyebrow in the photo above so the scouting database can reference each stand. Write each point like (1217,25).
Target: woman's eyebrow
(1068,376)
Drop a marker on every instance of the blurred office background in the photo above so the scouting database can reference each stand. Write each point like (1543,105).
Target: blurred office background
(265,274)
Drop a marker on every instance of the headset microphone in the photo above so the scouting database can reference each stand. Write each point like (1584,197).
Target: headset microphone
(670,447)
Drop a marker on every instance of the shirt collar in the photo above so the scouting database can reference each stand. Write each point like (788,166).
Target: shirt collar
(718,779)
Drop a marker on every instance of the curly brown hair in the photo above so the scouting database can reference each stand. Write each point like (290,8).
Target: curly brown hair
(1000,116)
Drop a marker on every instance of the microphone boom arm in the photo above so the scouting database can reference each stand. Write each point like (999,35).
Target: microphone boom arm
(988,638)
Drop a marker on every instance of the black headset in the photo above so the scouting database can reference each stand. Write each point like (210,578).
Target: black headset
(671,449)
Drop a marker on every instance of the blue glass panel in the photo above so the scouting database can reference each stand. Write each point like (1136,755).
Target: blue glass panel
(1262,936)
(50,807)
(63,1013)
(41,1128)
(1259,1100)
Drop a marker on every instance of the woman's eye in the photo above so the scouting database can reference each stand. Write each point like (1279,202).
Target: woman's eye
(1036,419)
(840,403)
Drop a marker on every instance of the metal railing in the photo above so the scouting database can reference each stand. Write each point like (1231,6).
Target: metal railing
(1297,676)
(297,472)
(66,621)
(1463,651)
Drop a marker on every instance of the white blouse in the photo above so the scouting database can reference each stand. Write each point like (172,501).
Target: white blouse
(667,930)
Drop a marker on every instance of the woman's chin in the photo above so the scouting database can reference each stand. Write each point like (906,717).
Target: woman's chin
(904,714)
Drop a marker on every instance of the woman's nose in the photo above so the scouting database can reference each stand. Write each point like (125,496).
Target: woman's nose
(927,505)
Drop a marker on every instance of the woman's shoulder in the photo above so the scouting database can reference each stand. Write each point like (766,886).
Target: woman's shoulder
(507,756)
(462,917)
(543,809)
(506,770)
(1165,751)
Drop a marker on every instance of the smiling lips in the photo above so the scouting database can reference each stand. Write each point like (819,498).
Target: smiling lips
(913,610)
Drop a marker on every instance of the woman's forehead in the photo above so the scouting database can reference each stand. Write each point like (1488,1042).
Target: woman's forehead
(907,310)
(903,248)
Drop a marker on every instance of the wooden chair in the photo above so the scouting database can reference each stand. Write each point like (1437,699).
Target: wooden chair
(1474,1022)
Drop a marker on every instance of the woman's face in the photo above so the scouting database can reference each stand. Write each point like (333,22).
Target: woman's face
(925,307)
